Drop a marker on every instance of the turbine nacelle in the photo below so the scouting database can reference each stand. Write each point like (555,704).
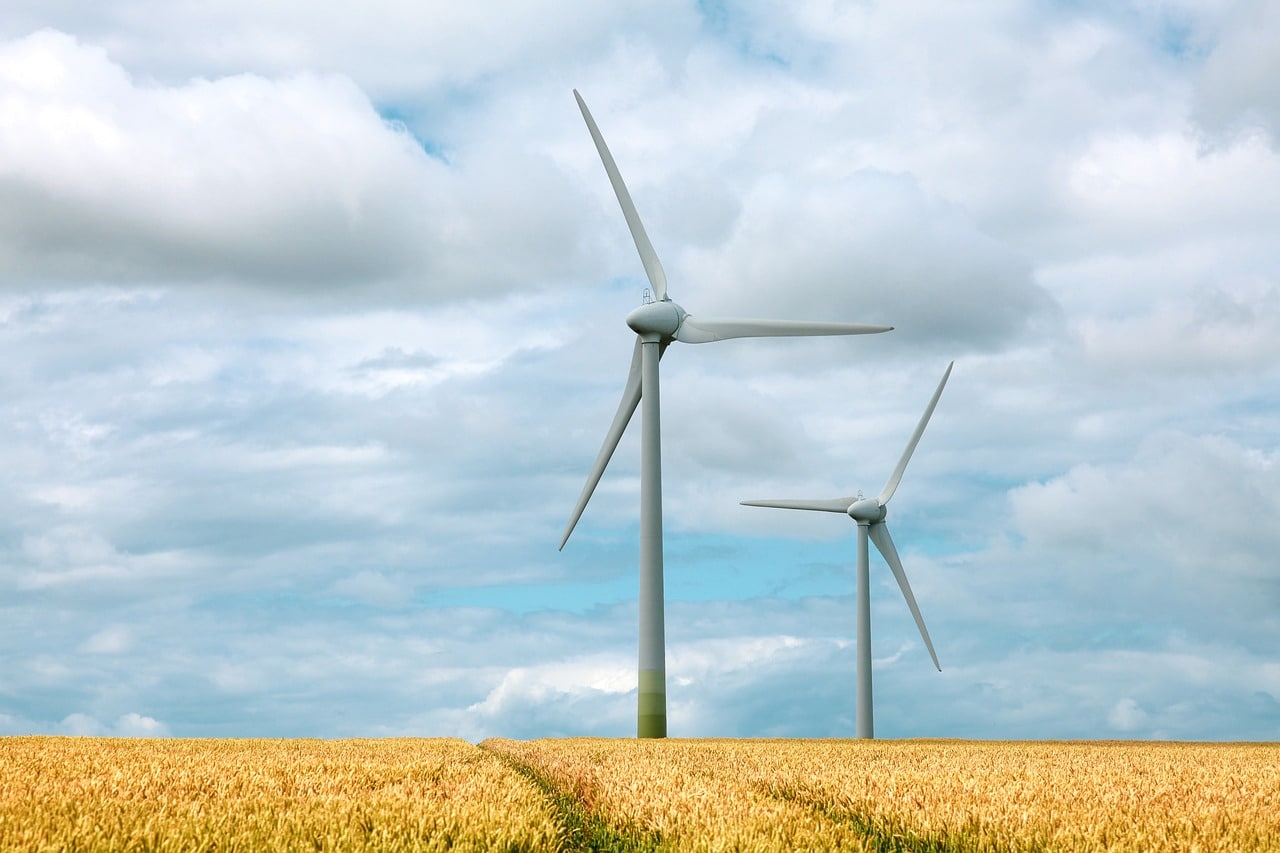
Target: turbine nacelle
(867,511)
(658,320)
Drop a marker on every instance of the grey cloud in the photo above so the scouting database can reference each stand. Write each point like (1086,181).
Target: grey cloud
(874,248)
(294,179)
(1209,491)
(320,492)
(294,183)
(394,48)
(1235,90)
(131,724)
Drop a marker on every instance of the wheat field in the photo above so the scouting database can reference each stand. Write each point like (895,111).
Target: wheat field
(934,795)
(87,794)
(91,794)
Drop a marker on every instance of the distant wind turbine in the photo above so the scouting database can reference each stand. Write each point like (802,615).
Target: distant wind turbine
(870,513)
(657,323)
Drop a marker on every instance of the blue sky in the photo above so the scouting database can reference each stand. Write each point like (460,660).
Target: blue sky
(311,324)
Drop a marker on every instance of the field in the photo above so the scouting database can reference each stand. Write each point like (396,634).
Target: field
(591,794)
(90,794)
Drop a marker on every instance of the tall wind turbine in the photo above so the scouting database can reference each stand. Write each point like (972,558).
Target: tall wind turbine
(657,323)
(870,513)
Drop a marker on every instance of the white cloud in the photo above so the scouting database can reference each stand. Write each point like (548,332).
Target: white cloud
(291,181)
(1236,88)
(1126,716)
(111,640)
(871,248)
(1216,329)
(295,179)
(525,688)
(395,48)
(137,725)
(1150,192)
(1185,503)
(374,588)
(82,725)
(297,398)
(131,724)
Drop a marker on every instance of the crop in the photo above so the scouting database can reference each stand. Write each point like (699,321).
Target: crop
(88,794)
(84,794)
(676,795)
(1051,796)
(922,795)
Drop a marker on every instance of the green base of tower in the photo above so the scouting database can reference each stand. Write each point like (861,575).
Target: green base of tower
(652,716)
(652,725)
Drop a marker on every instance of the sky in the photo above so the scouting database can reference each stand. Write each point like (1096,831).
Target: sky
(311,325)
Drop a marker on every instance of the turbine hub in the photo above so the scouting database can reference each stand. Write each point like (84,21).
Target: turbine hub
(659,319)
(867,511)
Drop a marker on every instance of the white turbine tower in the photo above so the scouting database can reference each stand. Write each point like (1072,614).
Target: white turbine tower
(656,325)
(870,513)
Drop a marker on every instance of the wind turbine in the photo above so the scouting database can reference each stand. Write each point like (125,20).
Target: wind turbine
(870,513)
(657,323)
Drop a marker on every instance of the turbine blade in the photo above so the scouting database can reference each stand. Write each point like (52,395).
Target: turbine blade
(626,408)
(891,485)
(648,257)
(884,544)
(832,505)
(700,331)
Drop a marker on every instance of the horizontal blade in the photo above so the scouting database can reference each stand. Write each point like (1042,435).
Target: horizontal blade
(884,544)
(832,505)
(648,257)
(700,331)
(892,485)
(626,408)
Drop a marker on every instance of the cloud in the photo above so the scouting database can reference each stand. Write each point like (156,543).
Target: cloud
(137,725)
(1126,716)
(397,49)
(1201,493)
(292,180)
(293,183)
(1214,330)
(128,725)
(310,326)
(872,248)
(1161,193)
(113,639)
(596,692)
(373,588)
(1234,92)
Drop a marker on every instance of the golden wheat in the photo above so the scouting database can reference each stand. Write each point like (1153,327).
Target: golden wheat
(953,795)
(1059,796)
(160,795)
(689,794)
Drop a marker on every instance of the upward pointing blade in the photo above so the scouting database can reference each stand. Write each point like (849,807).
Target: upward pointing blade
(892,485)
(648,257)
(626,408)
(879,533)
(700,331)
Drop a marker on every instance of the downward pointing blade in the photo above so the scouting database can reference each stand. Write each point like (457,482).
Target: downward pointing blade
(626,408)
(884,544)
(700,331)
(648,257)
(832,505)
(892,485)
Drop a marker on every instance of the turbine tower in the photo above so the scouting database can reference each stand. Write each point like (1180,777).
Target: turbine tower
(657,323)
(870,513)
